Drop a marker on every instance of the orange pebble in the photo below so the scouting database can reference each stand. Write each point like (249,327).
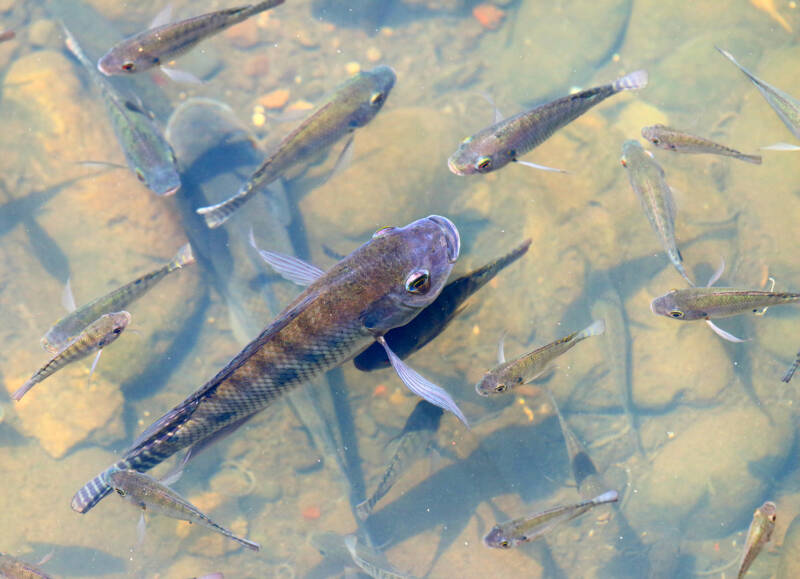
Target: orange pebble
(276,99)
(488,15)
(312,513)
(380,390)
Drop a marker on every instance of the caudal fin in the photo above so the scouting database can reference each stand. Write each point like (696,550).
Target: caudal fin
(633,81)
(24,389)
(182,258)
(216,215)
(92,493)
(596,328)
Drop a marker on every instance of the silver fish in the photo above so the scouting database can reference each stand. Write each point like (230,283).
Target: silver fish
(792,369)
(671,139)
(758,535)
(706,303)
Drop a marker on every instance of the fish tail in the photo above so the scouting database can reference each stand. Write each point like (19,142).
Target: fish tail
(252,545)
(755,159)
(17,396)
(596,328)
(183,257)
(633,81)
(606,497)
(364,508)
(216,215)
(262,6)
(75,48)
(95,490)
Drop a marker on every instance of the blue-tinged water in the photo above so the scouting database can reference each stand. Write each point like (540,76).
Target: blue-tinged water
(716,424)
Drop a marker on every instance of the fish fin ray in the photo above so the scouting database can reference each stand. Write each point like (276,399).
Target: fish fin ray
(288,267)
(723,334)
(780,147)
(344,159)
(162,18)
(67,297)
(633,81)
(541,167)
(717,273)
(181,76)
(94,365)
(501,353)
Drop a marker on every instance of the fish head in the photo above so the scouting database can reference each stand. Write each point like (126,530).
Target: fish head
(161,178)
(409,267)
(126,58)
(371,89)
(653,134)
(480,153)
(496,383)
(497,538)
(631,149)
(672,305)
(125,483)
(111,326)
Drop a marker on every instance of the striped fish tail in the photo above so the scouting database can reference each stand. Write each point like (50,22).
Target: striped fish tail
(633,81)
(182,258)
(216,215)
(364,508)
(596,328)
(95,490)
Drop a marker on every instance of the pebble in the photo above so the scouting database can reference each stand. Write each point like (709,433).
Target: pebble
(374,54)
(256,66)
(244,34)
(352,68)
(275,99)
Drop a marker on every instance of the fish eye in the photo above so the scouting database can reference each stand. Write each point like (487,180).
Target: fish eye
(484,164)
(419,282)
(500,388)
(140,175)
(382,231)
(376,98)
(117,331)
(623,162)
(655,140)
(677,314)
(128,66)
(504,544)
(121,492)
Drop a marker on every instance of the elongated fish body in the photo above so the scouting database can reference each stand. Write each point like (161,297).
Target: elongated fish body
(785,105)
(353,105)
(360,298)
(414,440)
(792,369)
(148,494)
(433,320)
(503,377)
(758,535)
(706,303)
(372,562)
(673,140)
(650,185)
(526,529)
(161,44)
(96,336)
(13,568)
(64,330)
(505,141)
(147,152)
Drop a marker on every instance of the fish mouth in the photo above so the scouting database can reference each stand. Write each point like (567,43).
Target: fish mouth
(453,168)
(172,191)
(103,68)
(452,238)
(653,306)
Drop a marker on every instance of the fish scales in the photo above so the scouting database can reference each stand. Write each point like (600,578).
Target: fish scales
(315,333)
(673,140)
(13,568)
(717,302)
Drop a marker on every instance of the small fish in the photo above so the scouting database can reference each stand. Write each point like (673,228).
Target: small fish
(147,152)
(505,141)
(707,303)
(13,568)
(381,285)
(785,106)
(162,43)
(7,35)
(93,338)
(65,329)
(372,562)
(673,140)
(434,319)
(418,432)
(649,183)
(149,494)
(792,369)
(526,529)
(758,535)
(526,368)
(353,105)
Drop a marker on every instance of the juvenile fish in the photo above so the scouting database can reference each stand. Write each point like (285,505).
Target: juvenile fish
(414,440)
(13,568)
(706,303)
(94,338)
(526,529)
(353,105)
(785,106)
(65,329)
(505,141)
(649,183)
(792,369)
(148,494)
(160,44)
(146,150)
(506,375)
(381,285)
(673,140)
(758,535)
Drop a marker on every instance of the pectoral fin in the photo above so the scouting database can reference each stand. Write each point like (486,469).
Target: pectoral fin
(180,75)
(288,267)
(540,167)
(163,17)
(94,364)
(67,299)
(723,334)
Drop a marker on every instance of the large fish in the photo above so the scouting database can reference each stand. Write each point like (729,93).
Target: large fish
(65,329)
(354,104)
(148,494)
(146,150)
(758,535)
(93,338)
(529,366)
(671,139)
(381,285)
(13,568)
(161,43)
(650,185)
(505,141)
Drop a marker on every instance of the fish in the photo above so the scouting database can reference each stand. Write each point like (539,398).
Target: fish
(435,318)
(526,368)
(707,303)
(162,43)
(147,152)
(526,529)
(792,369)
(415,438)
(789,564)
(13,568)
(650,185)
(785,106)
(508,139)
(150,495)
(7,35)
(96,336)
(372,562)
(758,535)
(671,139)
(352,105)
(381,285)
(64,330)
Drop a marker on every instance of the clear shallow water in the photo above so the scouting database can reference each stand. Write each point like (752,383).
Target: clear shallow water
(716,423)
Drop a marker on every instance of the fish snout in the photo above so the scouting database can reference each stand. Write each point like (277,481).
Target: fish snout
(451,164)
(452,237)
